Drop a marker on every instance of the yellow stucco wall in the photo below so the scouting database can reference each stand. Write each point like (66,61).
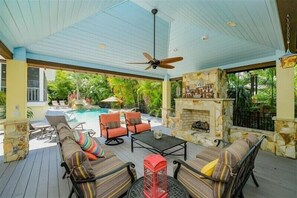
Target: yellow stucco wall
(16,90)
(285,92)
(39,110)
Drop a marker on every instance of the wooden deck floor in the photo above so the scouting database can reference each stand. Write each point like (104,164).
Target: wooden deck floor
(39,175)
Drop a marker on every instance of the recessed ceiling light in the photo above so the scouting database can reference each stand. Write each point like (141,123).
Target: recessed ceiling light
(175,50)
(204,37)
(102,46)
(231,24)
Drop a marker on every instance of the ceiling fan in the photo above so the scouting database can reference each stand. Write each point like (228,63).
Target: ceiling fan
(152,61)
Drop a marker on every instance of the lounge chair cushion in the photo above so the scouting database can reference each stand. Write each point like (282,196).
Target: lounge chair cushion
(227,160)
(202,188)
(79,166)
(114,185)
(88,144)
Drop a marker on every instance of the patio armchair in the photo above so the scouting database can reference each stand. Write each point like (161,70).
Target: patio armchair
(44,128)
(220,172)
(110,126)
(134,123)
(54,120)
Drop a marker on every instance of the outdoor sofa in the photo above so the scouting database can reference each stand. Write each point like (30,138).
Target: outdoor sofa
(105,177)
(229,168)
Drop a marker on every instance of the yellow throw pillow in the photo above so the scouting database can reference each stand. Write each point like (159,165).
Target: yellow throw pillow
(209,168)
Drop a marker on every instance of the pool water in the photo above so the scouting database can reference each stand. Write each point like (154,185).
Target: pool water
(91,117)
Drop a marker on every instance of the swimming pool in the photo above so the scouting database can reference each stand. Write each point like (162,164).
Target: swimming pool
(91,117)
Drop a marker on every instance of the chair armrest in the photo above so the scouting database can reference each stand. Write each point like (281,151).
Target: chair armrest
(203,176)
(219,141)
(79,124)
(127,165)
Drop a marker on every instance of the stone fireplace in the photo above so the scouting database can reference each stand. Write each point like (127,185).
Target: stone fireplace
(214,108)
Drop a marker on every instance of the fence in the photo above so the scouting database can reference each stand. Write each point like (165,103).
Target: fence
(254,120)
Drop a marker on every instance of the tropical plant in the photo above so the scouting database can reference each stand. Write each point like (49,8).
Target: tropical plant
(30,113)
(152,95)
(98,89)
(61,87)
(124,89)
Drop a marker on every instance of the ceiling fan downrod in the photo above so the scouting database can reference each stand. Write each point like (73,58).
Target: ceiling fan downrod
(154,11)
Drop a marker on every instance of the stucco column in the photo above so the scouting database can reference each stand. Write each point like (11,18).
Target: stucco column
(285,123)
(166,100)
(16,136)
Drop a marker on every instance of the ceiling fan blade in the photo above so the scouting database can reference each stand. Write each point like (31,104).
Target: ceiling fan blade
(138,63)
(166,66)
(148,67)
(171,60)
(147,56)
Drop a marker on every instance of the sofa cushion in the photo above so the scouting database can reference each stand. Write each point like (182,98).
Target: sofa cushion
(90,156)
(210,153)
(87,143)
(251,139)
(65,133)
(195,184)
(79,166)
(113,185)
(227,160)
(139,128)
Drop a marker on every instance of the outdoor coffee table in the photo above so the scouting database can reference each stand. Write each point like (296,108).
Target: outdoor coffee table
(175,189)
(167,145)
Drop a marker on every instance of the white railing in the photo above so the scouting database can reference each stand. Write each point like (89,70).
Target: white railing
(33,94)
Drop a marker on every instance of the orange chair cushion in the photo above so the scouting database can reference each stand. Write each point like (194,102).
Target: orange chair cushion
(111,117)
(133,117)
(139,128)
(116,132)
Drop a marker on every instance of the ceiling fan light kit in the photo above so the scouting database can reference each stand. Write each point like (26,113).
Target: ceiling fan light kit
(152,61)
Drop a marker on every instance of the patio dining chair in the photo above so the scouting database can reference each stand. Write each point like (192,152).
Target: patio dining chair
(54,120)
(110,126)
(134,123)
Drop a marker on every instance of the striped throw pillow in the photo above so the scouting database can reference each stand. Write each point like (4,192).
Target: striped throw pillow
(113,125)
(88,144)
(135,121)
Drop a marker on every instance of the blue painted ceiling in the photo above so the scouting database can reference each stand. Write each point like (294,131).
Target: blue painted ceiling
(71,31)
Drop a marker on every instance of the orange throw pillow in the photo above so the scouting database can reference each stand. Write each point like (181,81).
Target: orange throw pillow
(90,156)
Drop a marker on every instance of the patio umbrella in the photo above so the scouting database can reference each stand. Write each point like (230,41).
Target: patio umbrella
(112,99)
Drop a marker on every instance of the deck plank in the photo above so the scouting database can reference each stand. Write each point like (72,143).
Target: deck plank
(6,176)
(42,188)
(53,174)
(63,186)
(34,176)
(24,177)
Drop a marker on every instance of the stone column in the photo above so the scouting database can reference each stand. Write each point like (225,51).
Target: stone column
(16,136)
(285,123)
(166,100)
